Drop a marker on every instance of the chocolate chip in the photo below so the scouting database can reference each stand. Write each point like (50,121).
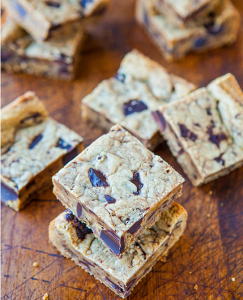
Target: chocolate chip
(69,216)
(52,4)
(33,117)
(63,144)
(110,199)
(192,136)
(184,130)
(136,181)
(79,210)
(84,3)
(81,229)
(7,194)
(69,156)
(200,42)
(120,77)
(135,227)
(133,106)
(114,285)
(35,141)
(213,28)
(216,138)
(113,241)
(219,159)
(208,111)
(159,119)
(97,178)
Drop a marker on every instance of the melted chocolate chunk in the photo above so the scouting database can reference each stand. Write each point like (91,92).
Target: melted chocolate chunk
(213,28)
(219,159)
(84,3)
(184,130)
(69,156)
(136,226)
(159,119)
(35,141)
(136,181)
(133,106)
(110,199)
(120,77)
(63,144)
(200,42)
(113,241)
(69,216)
(33,117)
(79,210)
(7,194)
(113,285)
(81,229)
(192,136)
(97,178)
(208,111)
(216,138)
(52,4)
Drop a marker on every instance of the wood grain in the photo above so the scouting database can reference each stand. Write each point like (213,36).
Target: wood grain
(209,254)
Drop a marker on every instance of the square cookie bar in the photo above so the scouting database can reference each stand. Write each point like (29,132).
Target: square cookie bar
(41,18)
(33,147)
(187,13)
(74,240)
(117,187)
(204,130)
(140,86)
(57,58)
(175,42)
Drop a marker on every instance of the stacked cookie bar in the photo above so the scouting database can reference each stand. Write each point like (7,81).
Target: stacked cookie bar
(45,38)
(179,27)
(140,86)
(127,203)
(33,148)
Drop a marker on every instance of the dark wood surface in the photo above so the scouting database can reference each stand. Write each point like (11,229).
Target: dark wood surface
(208,256)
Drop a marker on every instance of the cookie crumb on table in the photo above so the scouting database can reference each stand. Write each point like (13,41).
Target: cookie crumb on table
(233,279)
(45,297)
(35,264)
(210,192)
(196,287)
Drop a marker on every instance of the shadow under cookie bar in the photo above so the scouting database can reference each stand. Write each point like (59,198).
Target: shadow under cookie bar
(74,240)
(175,42)
(206,135)
(34,147)
(43,18)
(102,188)
(57,58)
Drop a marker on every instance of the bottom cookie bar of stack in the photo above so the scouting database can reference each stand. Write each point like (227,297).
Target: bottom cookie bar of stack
(76,241)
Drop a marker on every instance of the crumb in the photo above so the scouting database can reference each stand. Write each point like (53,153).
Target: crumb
(163,259)
(233,279)
(208,215)
(210,192)
(45,297)
(190,273)
(35,264)
(221,204)
(192,247)
(196,287)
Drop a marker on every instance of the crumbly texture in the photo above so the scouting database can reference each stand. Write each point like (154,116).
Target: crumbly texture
(57,58)
(140,86)
(175,42)
(187,13)
(75,241)
(117,192)
(33,148)
(41,18)
(204,130)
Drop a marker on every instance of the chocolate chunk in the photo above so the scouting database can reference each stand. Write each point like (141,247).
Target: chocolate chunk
(110,199)
(84,3)
(52,4)
(219,159)
(7,194)
(20,9)
(136,181)
(213,28)
(33,117)
(81,229)
(97,178)
(63,144)
(208,111)
(54,27)
(216,138)
(135,227)
(5,55)
(113,285)
(69,216)
(79,210)
(69,156)
(113,241)
(35,141)
(192,136)
(200,42)
(120,77)
(133,106)
(184,131)
(159,119)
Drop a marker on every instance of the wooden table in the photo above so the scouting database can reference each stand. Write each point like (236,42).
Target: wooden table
(207,263)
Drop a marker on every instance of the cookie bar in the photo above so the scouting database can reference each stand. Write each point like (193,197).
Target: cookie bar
(42,18)
(33,147)
(175,42)
(57,58)
(140,86)
(118,187)
(204,130)
(74,240)
(187,13)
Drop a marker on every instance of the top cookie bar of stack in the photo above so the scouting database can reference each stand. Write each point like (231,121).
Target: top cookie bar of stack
(40,18)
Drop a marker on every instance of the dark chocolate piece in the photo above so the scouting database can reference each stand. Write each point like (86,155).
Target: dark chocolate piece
(113,241)
(216,138)
(184,130)
(201,41)
(110,199)
(135,227)
(7,194)
(213,28)
(5,55)
(69,216)
(81,229)
(69,156)
(79,210)
(53,4)
(208,111)
(63,144)
(136,181)
(133,106)
(159,119)
(97,178)
(115,286)
(193,136)
(219,159)
(35,141)
(120,77)
(32,117)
